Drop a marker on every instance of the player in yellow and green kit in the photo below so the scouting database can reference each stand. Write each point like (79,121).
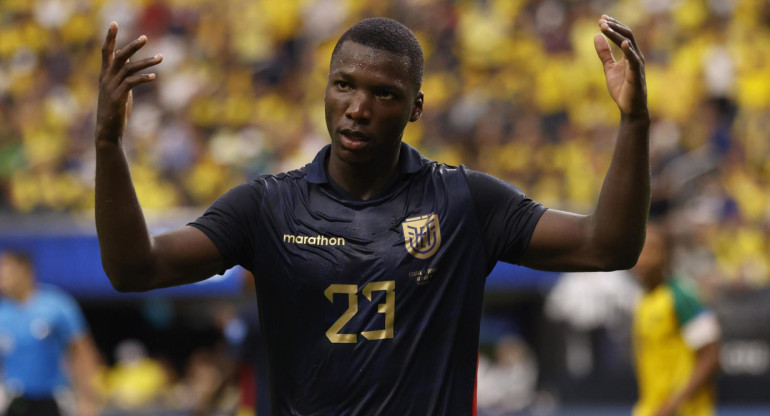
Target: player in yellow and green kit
(676,340)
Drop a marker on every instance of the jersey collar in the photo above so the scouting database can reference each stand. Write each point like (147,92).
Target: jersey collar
(410,161)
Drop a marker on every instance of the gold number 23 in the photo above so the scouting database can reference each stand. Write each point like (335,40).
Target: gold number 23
(388,308)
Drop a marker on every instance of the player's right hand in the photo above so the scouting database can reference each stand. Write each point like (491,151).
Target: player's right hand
(117,78)
(625,78)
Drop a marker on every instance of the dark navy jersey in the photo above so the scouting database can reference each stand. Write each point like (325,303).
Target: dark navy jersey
(372,307)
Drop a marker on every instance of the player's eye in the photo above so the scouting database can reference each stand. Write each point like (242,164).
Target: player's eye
(387,95)
(342,85)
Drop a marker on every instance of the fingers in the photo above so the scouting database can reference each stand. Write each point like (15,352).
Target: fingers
(133,67)
(119,73)
(117,61)
(603,50)
(132,82)
(624,30)
(613,35)
(122,55)
(118,70)
(622,36)
(633,56)
(108,47)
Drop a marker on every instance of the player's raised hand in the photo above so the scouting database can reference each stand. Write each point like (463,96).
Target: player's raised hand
(117,78)
(625,78)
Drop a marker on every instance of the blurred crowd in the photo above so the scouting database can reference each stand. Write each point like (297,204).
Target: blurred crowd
(512,87)
(204,369)
(140,383)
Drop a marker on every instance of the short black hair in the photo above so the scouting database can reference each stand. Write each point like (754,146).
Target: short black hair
(387,35)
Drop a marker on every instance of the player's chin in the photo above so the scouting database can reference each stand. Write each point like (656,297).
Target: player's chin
(356,158)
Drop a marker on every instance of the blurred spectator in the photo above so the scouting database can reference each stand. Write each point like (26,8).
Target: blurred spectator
(676,339)
(41,329)
(246,364)
(506,380)
(207,384)
(593,304)
(136,381)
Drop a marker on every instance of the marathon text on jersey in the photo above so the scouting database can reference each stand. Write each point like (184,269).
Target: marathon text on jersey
(317,240)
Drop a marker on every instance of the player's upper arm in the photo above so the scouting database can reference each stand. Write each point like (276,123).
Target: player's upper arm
(219,239)
(702,330)
(185,255)
(177,257)
(561,242)
(519,230)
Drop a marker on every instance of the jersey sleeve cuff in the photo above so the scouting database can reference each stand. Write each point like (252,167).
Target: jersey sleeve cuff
(702,330)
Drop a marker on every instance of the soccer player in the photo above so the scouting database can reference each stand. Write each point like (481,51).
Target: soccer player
(676,340)
(40,328)
(370,261)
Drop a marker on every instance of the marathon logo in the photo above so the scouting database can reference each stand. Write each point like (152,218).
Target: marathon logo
(317,240)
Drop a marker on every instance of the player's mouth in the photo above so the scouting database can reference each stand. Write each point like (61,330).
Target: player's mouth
(353,140)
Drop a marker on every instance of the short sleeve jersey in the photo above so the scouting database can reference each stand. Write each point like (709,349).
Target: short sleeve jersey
(372,307)
(34,334)
(664,360)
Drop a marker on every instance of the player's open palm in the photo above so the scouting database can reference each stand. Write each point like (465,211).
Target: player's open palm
(625,78)
(117,78)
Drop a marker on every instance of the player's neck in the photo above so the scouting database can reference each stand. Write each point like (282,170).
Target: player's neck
(23,293)
(363,181)
(653,283)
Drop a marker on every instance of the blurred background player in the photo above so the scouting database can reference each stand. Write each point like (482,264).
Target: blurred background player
(246,364)
(39,326)
(676,339)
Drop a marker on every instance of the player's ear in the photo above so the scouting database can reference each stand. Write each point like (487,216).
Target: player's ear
(417,107)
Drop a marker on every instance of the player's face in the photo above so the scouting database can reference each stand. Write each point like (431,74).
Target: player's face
(14,276)
(370,97)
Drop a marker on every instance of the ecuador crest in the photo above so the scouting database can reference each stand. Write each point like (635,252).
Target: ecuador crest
(422,235)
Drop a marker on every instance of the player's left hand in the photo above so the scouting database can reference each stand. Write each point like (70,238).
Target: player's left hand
(625,78)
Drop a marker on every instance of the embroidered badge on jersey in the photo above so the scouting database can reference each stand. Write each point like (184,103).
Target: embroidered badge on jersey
(422,235)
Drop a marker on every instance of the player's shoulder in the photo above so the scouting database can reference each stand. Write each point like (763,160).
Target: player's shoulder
(682,288)
(451,176)
(53,294)
(442,168)
(291,175)
(269,182)
(685,297)
(52,301)
(50,291)
(5,307)
(470,174)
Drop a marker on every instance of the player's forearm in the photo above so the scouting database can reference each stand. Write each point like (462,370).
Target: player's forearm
(706,366)
(124,241)
(621,213)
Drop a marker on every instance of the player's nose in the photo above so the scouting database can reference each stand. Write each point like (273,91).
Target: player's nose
(360,107)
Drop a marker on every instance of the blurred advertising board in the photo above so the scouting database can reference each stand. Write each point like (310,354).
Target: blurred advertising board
(72,262)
